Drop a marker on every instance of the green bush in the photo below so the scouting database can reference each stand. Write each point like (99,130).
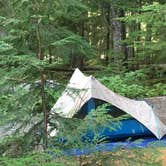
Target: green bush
(30,160)
(133,85)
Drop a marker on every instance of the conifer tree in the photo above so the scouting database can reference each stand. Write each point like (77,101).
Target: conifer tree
(34,35)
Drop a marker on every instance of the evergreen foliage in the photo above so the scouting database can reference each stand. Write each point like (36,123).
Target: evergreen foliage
(134,84)
(38,38)
(149,39)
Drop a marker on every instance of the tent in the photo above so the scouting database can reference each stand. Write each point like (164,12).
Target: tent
(83,89)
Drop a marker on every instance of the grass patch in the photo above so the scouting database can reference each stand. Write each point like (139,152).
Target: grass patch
(121,157)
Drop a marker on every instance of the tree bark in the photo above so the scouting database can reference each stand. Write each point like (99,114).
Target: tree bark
(123,37)
(116,28)
(78,60)
(42,79)
(108,36)
(118,32)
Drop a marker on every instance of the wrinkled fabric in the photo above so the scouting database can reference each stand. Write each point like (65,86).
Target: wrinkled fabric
(80,89)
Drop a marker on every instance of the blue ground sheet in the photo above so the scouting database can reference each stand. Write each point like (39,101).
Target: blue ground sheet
(111,146)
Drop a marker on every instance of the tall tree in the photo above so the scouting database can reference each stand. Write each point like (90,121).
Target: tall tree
(148,38)
(118,30)
(35,30)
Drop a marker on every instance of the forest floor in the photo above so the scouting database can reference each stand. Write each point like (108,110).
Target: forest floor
(139,157)
(163,157)
(122,157)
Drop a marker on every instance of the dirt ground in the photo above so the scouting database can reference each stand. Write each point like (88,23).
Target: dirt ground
(163,157)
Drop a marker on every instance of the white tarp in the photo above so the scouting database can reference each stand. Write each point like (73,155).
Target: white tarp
(81,88)
(8,130)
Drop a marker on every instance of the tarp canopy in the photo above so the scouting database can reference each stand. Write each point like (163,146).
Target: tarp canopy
(81,89)
(19,128)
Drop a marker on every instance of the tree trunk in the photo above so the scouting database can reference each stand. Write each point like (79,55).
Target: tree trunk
(118,32)
(148,39)
(132,27)
(116,29)
(108,36)
(42,79)
(123,37)
(78,60)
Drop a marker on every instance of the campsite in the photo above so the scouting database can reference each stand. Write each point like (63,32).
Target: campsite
(82,83)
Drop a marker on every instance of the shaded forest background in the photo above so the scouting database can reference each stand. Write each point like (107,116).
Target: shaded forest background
(124,34)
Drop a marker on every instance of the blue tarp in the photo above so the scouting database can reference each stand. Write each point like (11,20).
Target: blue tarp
(123,129)
(127,128)
(138,143)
